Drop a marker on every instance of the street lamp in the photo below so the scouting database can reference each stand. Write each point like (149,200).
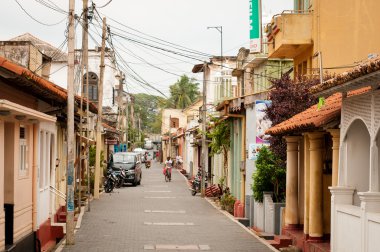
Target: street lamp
(220,29)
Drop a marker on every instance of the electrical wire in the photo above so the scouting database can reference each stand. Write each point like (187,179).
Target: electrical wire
(42,23)
(99,7)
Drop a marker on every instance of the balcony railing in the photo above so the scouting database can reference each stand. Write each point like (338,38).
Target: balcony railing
(289,34)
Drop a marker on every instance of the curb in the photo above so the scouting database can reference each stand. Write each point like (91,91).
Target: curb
(237,222)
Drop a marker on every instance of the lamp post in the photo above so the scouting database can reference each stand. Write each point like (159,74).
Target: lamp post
(220,29)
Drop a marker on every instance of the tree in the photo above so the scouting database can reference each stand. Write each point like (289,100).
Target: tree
(183,93)
(289,97)
(220,143)
(149,108)
(268,176)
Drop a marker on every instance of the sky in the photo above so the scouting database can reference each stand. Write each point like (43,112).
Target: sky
(182,22)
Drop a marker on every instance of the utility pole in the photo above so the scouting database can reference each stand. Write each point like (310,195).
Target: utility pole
(100,110)
(139,127)
(126,121)
(70,239)
(170,136)
(204,146)
(120,106)
(85,66)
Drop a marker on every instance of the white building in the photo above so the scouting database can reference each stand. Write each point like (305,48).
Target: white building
(355,201)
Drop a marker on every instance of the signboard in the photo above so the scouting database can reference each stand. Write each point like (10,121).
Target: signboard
(253,150)
(262,124)
(255,25)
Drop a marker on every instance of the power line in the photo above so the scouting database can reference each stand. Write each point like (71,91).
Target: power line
(42,23)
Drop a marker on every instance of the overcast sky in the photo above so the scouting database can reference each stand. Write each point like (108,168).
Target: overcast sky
(183,22)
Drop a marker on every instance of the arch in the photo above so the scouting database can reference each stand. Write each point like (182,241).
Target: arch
(93,82)
(358,141)
(377,142)
(350,122)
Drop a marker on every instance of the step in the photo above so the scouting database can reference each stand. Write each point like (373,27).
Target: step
(266,236)
(244,221)
(274,244)
(283,239)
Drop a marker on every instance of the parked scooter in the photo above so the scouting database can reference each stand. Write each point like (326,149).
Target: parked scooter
(196,183)
(121,176)
(147,164)
(110,182)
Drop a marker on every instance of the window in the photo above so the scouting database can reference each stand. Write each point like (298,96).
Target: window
(93,81)
(174,122)
(23,150)
(304,67)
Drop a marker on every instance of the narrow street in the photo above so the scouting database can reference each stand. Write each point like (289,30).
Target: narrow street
(159,216)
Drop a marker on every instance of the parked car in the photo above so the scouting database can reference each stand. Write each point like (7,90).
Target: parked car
(142,152)
(130,162)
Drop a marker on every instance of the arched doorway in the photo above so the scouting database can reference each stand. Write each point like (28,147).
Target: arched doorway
(358,158)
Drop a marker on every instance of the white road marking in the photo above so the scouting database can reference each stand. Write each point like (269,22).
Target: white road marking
(204,247)
(165,211)
(169,223)
(159,197)
(176,247)
(149,247)
(156,191)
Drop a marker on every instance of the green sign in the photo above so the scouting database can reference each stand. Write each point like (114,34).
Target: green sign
(255,25)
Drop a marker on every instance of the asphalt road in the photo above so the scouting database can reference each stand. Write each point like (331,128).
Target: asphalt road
(159,216)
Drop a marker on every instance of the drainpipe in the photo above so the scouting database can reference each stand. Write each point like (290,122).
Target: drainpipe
(242,189)
(34,174)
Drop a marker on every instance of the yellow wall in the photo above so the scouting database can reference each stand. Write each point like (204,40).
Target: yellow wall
(345,31)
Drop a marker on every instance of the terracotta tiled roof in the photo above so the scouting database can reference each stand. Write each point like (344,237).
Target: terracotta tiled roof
(59,92)
(366,68)
(109,128)
(313,118)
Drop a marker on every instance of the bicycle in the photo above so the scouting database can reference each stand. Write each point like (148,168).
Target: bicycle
(168,175)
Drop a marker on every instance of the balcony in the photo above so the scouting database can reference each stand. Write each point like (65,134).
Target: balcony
(289,34)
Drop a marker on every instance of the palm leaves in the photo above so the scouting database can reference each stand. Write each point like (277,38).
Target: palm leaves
(183,93)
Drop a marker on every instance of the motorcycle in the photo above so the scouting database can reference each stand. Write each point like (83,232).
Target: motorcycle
(196,183)
(147,164)
(110,182)
(121,176)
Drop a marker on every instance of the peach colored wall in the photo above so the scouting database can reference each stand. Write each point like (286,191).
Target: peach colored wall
(23,187)
(9,141)
(2,225)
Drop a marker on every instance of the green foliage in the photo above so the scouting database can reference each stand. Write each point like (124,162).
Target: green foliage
(227,202)
(269,176)
(149,108)
(183,93)
(220,138)
(93,156)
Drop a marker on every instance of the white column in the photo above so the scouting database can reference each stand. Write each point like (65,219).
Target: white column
(339,195)
(291,210)
(374,170)
(2,215)
(370,202)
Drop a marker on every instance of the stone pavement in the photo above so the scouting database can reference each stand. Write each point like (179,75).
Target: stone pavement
(159,215)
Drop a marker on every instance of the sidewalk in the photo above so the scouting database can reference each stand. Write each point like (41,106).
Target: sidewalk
(159,216)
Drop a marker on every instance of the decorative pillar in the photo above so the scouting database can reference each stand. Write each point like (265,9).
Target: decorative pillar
(339,196)
(2,167)
(374,170)
(369,203)
(316,184)
(291,210)
(335,133)
(306,184)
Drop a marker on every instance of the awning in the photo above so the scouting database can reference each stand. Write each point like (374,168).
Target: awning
(10,111)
